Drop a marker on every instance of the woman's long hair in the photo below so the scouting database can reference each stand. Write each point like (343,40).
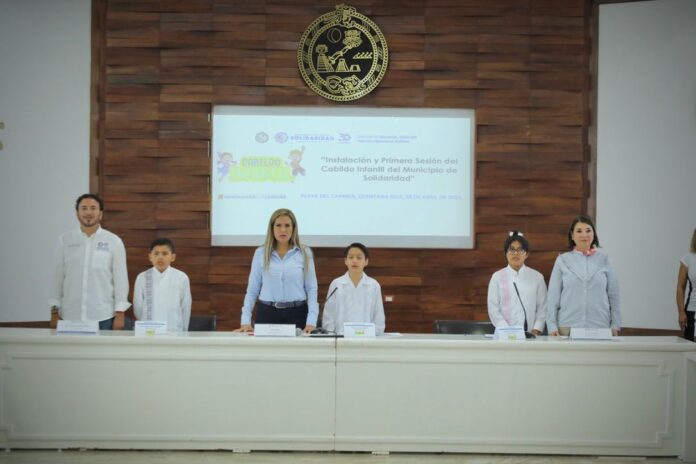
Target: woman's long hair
(271,242)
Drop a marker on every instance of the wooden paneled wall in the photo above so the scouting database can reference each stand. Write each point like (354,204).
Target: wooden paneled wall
(523,65)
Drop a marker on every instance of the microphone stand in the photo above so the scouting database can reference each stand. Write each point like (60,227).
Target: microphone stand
(322,330)
(527,334)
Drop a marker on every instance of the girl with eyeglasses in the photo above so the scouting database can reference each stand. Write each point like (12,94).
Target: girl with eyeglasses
(517,293)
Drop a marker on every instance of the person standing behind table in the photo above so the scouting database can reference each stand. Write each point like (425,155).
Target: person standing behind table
(90,277)
(163,293)
(517,289)
(282,279)
(583,289)
(686,298)
(354,297)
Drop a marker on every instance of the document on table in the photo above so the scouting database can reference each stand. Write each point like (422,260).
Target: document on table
(149,328)
(78,327)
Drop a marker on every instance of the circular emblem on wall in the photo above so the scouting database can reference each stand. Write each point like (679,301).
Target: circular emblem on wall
(342,55)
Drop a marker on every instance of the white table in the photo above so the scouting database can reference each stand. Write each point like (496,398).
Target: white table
(462,394)
(204,391)
(425,393)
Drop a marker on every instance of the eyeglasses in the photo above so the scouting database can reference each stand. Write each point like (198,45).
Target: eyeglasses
(516,251)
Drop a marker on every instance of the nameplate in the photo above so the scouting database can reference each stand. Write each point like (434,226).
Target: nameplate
(579,333)
(149,328)
(78,327)
(275,330)
(358,330)
(509,334)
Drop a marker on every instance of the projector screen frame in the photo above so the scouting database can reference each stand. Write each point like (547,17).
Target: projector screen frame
(378,241)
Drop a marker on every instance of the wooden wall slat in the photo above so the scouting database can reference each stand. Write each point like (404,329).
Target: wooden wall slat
(522,65)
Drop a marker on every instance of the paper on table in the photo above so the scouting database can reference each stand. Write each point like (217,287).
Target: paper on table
(78,327)
(148,328)
(358,330)
(509,334)
(275,330)
(590,333)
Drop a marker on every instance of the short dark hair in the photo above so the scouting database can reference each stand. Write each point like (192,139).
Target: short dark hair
(585,220)
(516,236)
(356,245)
(92,196)
(162,241)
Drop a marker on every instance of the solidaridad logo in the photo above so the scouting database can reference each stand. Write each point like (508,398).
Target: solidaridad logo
(343,55)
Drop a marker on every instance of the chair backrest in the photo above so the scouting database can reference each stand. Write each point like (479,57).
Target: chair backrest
(202,323)
(128,323)
(464,327)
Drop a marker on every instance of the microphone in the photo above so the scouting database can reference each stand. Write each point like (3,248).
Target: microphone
(330,294)
(321,330)
(527,334)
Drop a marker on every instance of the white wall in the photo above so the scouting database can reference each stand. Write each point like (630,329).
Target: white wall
(44,103)
(646,151)
(646,182)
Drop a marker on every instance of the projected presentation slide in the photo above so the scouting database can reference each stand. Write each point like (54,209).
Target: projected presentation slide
(392,178)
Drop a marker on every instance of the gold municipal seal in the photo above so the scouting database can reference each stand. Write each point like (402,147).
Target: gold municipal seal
(342,55)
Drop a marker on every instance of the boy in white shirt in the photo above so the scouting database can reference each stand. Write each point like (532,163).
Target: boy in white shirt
(354,297)
(163,293)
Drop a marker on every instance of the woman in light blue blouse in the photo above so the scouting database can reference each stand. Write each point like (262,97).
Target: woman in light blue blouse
(282,282)
(583,289)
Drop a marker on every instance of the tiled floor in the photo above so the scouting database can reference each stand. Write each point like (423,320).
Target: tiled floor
(219,457)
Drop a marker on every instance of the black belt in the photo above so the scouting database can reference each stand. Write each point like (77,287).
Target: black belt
(283,304)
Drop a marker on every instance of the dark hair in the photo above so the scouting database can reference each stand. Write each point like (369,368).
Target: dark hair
(92,196)
(585,220)
(356,245)
(162,241)
(693,242)
(516,236)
